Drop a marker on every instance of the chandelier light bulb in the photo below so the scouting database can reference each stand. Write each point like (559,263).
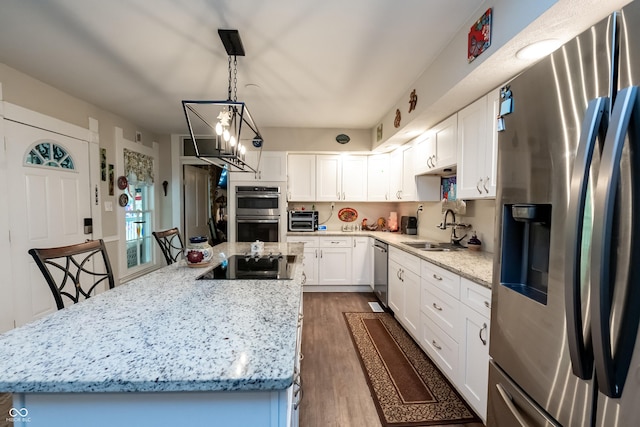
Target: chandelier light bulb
(232,141)
(218,128)
(226,135)
(243,149)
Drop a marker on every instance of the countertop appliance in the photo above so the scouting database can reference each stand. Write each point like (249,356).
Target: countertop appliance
(253,267)
(408,225)
(257,213)
(303,220)
(381,271)
(564,319)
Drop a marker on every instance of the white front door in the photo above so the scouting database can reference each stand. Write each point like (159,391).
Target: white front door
(196,201)
(50,193)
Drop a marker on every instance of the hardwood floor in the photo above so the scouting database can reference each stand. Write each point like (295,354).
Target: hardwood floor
(335,390)
(5,405)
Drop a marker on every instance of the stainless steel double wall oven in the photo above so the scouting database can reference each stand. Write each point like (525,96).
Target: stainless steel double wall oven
(257,214)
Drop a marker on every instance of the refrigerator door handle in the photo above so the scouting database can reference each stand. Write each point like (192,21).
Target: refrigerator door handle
(611,374)
(580,349)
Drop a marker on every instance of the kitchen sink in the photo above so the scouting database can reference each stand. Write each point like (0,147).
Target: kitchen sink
(433,246)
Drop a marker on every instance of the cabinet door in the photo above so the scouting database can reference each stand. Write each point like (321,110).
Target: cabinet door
(273,166)
(301,180)
(491,152)
(411,313)
(362,257)
(474,359)
(424,154)
(335,266)
(395,178)
(472,145)
(310,266)
(354,178)
(408,193)
(446,142)
(395,292)
(329,178)
(378,172)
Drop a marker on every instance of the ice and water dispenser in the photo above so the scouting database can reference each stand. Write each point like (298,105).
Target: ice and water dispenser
(526,236)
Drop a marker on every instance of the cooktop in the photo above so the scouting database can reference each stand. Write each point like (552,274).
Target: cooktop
(253,267)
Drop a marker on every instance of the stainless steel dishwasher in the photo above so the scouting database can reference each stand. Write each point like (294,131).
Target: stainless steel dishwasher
(380,270)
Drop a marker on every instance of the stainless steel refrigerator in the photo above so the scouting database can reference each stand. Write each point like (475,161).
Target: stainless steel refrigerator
(566,288)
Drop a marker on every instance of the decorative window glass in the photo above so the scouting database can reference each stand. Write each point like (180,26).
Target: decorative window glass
(51,155)
(138,168)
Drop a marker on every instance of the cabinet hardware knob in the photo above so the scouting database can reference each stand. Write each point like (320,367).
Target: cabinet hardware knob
(304,278)
(487,304)
(484,328)
(435,276)
(484,184)
(478,186)
(437,307)
(435,344)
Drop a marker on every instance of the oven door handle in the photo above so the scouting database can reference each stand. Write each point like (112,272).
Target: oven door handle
(257,221)
(257,196)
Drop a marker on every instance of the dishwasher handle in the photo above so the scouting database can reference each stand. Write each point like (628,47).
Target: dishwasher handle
(380,248)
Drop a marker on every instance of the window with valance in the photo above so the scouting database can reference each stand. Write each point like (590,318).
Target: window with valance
(138,168)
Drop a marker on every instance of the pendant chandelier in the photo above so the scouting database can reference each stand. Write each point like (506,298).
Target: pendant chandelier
(215,126)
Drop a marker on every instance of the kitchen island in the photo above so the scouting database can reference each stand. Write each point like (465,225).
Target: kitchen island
(165,349)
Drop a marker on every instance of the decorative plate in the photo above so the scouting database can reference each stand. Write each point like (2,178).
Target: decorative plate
(123,200)
(122,182)
(347,214)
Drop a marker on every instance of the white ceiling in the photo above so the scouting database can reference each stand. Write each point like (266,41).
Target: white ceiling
(325,64)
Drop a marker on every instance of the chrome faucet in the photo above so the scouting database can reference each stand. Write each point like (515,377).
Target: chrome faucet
(453,224)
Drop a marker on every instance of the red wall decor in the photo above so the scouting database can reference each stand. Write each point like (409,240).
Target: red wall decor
(479,36)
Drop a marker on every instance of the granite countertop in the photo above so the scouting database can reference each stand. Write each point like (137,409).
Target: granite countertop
(475,266)
(165,331)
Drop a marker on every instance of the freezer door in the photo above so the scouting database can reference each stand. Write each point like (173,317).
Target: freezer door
(616,243)
(537,151)
(509,406)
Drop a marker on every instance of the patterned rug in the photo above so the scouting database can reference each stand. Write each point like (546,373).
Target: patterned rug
(407,388)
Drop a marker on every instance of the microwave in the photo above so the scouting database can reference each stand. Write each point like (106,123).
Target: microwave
(303,220)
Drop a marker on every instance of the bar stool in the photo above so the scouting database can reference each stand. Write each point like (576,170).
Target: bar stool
(170,243)
(74,271)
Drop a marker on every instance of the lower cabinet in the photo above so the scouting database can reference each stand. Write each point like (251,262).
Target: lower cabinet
(404,289)
(362,261)
(473,365)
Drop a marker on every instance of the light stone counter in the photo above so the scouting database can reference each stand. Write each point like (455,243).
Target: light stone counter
(164,332)
(475,266)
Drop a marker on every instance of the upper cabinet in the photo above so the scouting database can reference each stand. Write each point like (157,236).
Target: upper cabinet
(402,181)
(378,172)
(437,151)
(341,177)
(272,167)
(477,148)
(301,180)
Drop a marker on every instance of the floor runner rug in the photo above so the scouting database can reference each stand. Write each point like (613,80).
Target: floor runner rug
(407,388)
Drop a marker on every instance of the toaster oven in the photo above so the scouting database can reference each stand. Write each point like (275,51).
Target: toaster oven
(303,220)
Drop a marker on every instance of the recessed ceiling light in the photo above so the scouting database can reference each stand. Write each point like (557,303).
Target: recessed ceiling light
(538,49)
(251,86)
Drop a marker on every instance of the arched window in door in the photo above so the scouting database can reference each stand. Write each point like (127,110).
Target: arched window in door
(49,154)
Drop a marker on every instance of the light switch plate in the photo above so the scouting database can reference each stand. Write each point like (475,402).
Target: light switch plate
(108,206)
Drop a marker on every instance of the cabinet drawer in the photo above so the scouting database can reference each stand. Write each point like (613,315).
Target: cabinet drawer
(440,346)
(441,308)
(309,241)
(336,242)
(476,297)
(441,278)
(406,260)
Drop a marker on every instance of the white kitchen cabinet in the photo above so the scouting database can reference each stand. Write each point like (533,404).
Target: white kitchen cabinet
(473,362)
(378,174)
(311,256)
(404,294)
(334,264)
(436,151)
(402,181)
(341,178)
(301,178)
(477,148)
(272,167)
(362,257)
